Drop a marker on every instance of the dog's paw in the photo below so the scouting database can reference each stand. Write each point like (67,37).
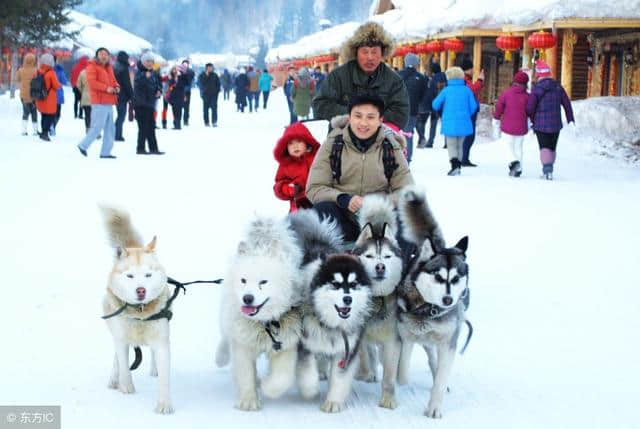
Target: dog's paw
(332,407)
(164,407)
(388,400)
(126,387)
(153,372)
(113,383)
(367,376)
(273,387)
(249,404)
(433,412)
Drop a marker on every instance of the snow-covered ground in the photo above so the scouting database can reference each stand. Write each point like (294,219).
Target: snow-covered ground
(555,297)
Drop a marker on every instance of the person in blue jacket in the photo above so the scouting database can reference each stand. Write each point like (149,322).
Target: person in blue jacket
(62,78)
(264,83)
(457,104)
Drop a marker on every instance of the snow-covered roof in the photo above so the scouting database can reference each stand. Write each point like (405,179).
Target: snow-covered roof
(94,33)
(417,19)
(318,43)
(227,60)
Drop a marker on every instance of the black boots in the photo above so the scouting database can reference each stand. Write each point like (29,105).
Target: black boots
(455,167)
(515,170)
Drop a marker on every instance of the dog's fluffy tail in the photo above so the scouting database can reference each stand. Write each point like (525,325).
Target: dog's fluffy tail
(119,229)
(316,235)
(377,210)
(418,221)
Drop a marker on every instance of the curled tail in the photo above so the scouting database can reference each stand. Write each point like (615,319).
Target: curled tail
(317,237)
(119,229)
(417,219)
(377,210)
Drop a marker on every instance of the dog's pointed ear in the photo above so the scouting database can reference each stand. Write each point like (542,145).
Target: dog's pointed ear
(463,244)
(365,234)
(428,249)
(121,252)
(151,247)
(243,248)
(387,232)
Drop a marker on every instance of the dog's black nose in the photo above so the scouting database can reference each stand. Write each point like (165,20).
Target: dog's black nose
(347,300)
(447,300)
(248,299)
(380,268)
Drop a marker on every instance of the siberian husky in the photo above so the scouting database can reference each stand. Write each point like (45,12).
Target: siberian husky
(136,306)
(433,298)
(261,311)
(333,323)
(381,256)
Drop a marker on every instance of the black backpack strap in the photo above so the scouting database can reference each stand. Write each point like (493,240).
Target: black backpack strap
(388,160)
(336,157)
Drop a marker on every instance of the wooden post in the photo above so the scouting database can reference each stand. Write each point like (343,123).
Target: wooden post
(527,53)
(477,57)
(443,60)
(552,59)
(450,59)
(569,39)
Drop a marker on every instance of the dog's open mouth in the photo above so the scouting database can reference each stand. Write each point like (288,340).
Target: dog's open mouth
(343,311)
(252,310)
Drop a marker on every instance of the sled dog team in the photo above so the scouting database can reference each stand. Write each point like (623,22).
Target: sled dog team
(315,311)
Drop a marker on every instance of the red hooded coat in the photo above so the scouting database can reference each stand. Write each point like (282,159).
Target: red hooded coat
(294,170)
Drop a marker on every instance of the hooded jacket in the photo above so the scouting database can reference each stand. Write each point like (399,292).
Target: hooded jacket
(83,86)
(145,88)
(543,106)
(348,80)
(511,110)
(49,105)
(362,173)
(24,76)
(77,68)
(62,78)
(457,103)
(292,171)
(121,72)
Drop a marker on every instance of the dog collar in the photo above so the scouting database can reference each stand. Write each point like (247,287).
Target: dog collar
(273,330)
(433,311)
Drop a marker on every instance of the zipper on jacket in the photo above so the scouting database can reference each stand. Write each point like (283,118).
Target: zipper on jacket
(362,176)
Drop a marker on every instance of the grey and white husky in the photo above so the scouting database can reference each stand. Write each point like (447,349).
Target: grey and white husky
(433,298)
(333,322)
(381,256)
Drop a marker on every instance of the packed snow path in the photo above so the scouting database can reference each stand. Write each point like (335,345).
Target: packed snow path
(553,278)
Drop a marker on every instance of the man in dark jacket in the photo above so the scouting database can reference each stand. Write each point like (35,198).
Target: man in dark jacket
(288,87)
(242,90)
(209,85)
(121,71)
(416,85)
(190,76)
(364,73)
(147,90)
(226,83)
(434,86)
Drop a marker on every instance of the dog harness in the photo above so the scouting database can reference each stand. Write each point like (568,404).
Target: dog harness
(273,330)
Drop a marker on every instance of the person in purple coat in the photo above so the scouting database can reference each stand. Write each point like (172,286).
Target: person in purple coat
(511,112)
(543,108)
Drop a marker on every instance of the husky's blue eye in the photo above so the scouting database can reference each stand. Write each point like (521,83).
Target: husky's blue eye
(147,275)
(262,282)
(130,276)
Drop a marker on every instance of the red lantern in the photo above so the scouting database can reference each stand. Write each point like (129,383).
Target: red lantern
(435,46)
(509,43)
(399,52)
(542,40)
(454,45)
(410,49)
(422,48)
(6,50)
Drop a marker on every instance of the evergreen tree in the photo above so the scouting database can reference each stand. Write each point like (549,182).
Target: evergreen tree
(32,22)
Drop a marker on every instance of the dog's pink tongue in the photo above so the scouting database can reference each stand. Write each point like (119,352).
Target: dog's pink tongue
(248,309)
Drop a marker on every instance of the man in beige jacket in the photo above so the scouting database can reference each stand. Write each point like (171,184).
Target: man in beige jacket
(371,160)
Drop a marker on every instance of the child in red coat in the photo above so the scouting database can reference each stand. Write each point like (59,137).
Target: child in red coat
(294,153)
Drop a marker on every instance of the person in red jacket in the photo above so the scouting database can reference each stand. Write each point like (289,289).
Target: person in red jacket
(49,105)
(77,95)
(476,88)
(294,153)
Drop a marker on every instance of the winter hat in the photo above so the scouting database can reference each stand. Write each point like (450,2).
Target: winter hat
(467,64)
(47,60)
(411,60)
(521,78)
(368,34)
(147,56)
(435,68)
(454,73)
(542,69)
(297,130)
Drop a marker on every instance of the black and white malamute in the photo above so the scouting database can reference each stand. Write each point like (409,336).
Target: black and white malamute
(333,322)
(433,298)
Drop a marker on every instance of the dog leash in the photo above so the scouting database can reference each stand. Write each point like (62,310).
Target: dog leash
(165,312)
(273,330)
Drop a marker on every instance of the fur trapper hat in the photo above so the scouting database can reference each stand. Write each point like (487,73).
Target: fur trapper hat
(368,34)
